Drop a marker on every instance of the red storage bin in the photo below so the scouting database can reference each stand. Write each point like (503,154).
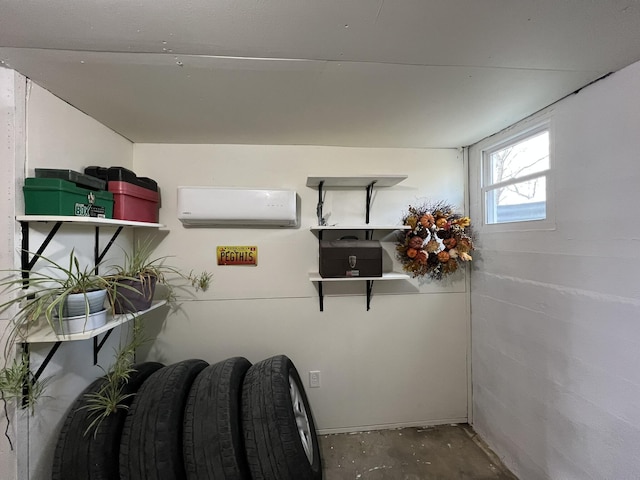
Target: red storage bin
(134,203)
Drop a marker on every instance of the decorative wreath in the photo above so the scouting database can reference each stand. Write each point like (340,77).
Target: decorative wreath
(438,241)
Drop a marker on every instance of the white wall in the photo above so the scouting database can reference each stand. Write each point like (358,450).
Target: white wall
(555,313)
(59,136)
(12,160)
(403,362)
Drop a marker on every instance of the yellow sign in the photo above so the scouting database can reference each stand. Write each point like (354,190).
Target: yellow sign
(237,255)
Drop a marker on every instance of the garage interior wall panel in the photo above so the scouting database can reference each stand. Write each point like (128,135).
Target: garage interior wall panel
(59,136)
(12,158)
(403,362)
(555,312)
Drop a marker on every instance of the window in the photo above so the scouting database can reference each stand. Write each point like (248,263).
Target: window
(515,178)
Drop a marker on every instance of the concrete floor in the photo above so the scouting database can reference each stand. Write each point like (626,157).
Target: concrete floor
(447,452)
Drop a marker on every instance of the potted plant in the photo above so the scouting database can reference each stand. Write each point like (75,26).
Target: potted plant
(18,384)
(134,282)
(71,299)
(45,295)
(132,288)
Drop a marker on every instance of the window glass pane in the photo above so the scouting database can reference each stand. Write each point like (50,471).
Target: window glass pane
(528,156)
(518,202)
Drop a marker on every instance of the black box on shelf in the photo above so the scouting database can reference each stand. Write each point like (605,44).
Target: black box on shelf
(121,174)
(80,179)
(348,258)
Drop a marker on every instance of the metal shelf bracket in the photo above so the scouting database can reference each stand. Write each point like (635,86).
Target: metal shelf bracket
(38,374)
(97,345)
(99,256)
(369,290)
(369,197)
(27,265)
(321,220)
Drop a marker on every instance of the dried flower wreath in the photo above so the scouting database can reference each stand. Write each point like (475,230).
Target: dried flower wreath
(438,241)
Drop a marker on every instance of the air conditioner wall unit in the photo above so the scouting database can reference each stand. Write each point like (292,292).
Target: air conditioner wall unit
(237,207)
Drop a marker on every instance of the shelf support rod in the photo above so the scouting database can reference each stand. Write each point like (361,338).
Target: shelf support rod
(321,296)
(26,267)
(29,264)
(320,203)
(38,374)
(97,346)
(96,249)
(369,289)
(24,255)
(100,256)
(369,195)
(47,359)
(25,384)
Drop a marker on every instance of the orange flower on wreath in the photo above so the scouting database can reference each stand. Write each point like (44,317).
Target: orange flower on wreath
(442,222)
(416,242)
(450,242)
(462,222)
(443,257)
(427,220)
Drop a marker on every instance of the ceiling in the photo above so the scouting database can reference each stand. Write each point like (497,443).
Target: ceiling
(378,73)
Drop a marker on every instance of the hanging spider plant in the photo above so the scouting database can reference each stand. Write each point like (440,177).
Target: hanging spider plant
(135,280)
(55,293)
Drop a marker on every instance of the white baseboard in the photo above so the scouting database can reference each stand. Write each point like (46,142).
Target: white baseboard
(390,426)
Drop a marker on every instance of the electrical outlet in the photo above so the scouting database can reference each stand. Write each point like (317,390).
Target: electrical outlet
(314,379)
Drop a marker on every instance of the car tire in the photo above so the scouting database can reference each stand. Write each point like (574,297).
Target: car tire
(151,445)
(213,443)
(279,432)
(93,455)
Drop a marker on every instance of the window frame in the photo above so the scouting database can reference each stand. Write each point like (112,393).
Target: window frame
(505,140)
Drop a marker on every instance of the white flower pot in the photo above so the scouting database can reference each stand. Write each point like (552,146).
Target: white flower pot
(76,303)
(79,323)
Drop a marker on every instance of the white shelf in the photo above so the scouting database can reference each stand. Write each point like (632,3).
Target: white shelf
(355,182)
(46,335)
(369,182)
(92,221)
(315,277)
(317,228)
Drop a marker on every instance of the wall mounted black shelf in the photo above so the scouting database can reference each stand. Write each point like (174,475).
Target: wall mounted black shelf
(368,183)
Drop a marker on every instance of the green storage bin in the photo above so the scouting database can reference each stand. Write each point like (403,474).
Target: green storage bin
(53,196)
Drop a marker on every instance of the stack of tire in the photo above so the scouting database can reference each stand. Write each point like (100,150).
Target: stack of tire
(190,420)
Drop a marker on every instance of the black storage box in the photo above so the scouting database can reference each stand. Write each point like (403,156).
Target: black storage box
(121,174)
(350,258)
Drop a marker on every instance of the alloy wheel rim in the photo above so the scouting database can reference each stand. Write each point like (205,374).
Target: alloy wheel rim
(302,419)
